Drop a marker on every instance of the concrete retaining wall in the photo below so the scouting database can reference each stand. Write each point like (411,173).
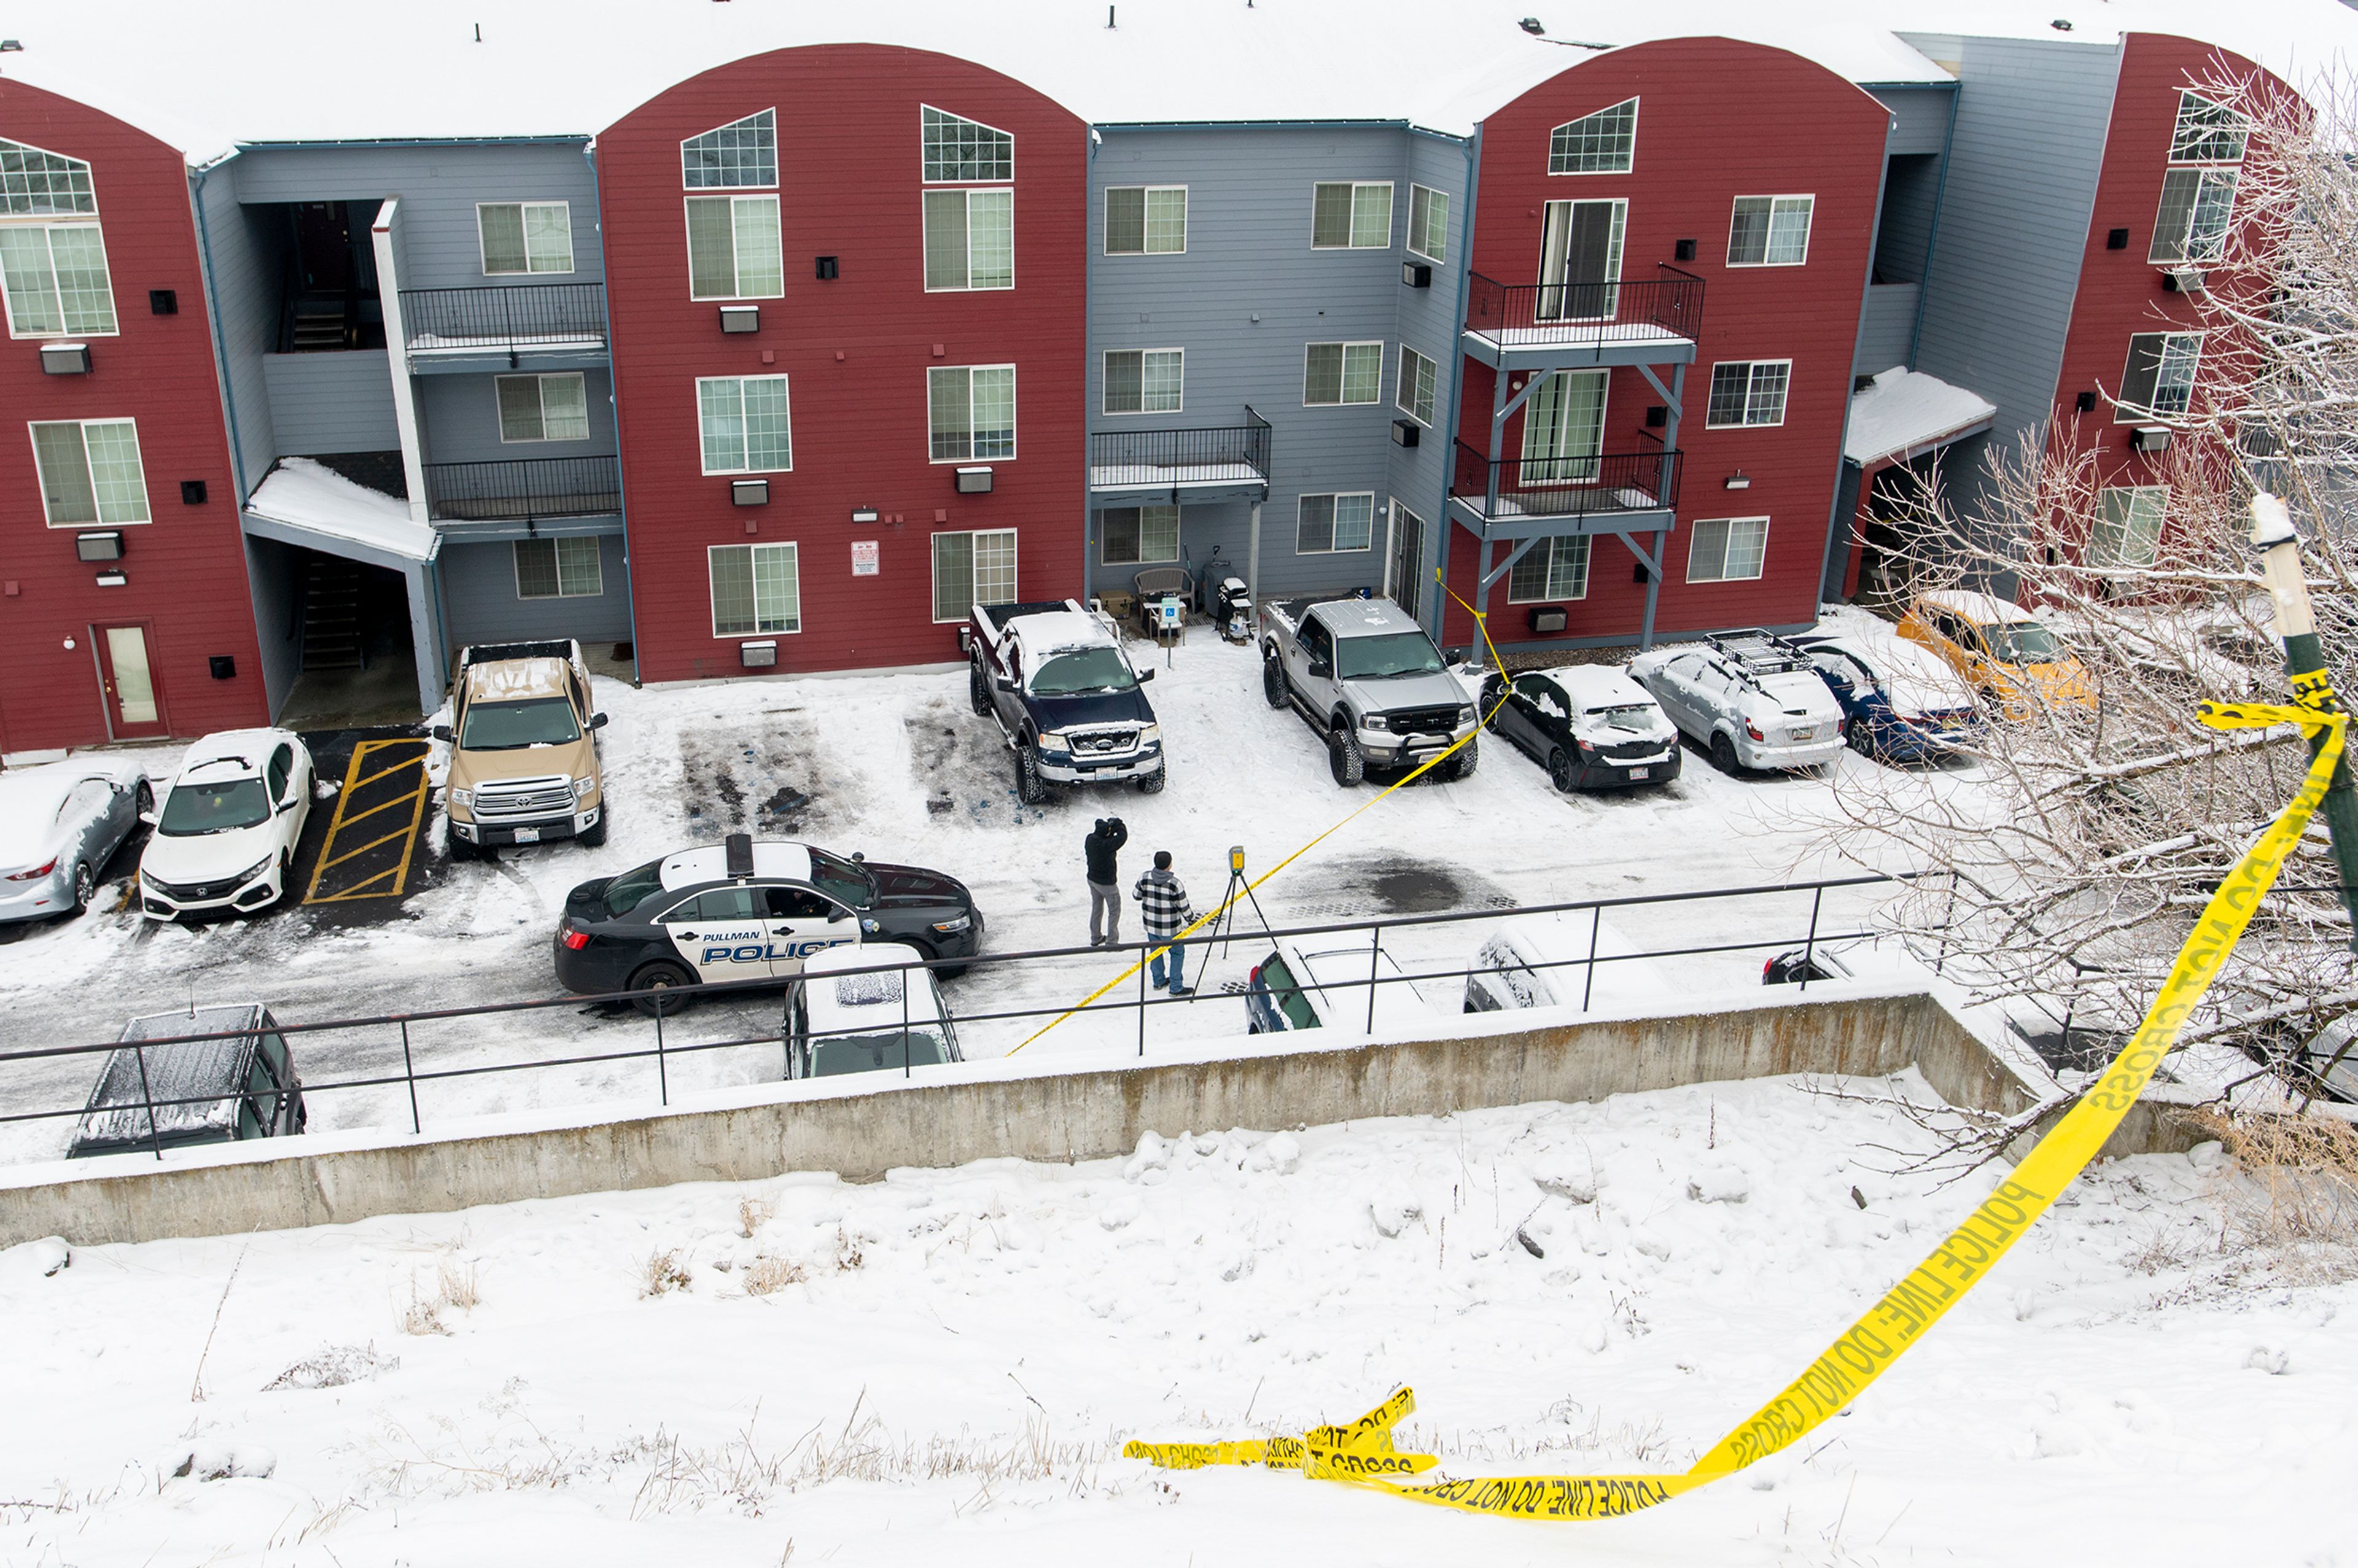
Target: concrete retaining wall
(1024,1109)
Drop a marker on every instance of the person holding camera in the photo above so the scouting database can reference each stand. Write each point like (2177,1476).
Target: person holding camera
(1099,848)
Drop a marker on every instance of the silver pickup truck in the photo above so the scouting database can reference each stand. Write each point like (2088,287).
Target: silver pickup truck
(1362,674)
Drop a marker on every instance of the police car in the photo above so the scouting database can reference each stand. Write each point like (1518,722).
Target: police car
(740,911)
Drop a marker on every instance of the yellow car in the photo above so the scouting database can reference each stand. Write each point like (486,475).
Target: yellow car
(2001,648)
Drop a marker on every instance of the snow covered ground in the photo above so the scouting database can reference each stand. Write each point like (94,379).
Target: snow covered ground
(899,767)
(941,1366)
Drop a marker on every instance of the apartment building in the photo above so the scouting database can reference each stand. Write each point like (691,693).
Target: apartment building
(729,357)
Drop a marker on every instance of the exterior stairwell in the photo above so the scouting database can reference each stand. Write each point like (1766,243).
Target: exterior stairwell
(331,616)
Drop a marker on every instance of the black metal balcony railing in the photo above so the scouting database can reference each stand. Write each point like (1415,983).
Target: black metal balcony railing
(517,316)
(515,492)
(1549,314)
(1122,460)
(1515,488)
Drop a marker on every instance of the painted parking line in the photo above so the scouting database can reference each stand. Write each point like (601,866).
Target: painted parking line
(372,837)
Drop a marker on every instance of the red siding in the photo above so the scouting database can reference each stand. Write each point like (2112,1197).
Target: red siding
(187,569)
(1716,120)
(2120,292)
(854,350)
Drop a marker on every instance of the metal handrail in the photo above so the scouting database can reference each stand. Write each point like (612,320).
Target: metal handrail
(523,488)
(1807,941)
(1585,311)
(1124,458)
(506,316)
(1568,487)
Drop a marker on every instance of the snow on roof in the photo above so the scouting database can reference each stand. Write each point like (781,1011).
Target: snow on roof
(772,858)
(249,748)
(1981,609)
(264,70)
(837,1000)
(513,680)
(1055,631)
(1904,410)
(1599,686)
(188,1071)
(302,493)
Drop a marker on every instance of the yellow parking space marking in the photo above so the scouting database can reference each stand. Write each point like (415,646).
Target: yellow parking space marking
(374,764)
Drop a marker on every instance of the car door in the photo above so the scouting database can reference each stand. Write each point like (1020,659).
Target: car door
(802,920)
(1313,662)
(721,934)
(1673,687)
(278,775)
(1551,719)
(1843,676)
(1519,718)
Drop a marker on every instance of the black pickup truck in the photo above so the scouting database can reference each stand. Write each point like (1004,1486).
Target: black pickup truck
(1065,697)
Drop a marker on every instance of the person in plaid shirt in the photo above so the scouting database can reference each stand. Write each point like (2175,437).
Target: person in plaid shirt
(1163,910)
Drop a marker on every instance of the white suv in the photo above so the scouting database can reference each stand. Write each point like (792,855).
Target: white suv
(225,837)
(1750,698)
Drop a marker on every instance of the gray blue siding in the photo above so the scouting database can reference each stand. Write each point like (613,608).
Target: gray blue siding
(330,402)
(240,269)
(461,418)
(479,602)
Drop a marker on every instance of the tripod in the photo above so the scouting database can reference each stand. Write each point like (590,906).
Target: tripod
(1223,928)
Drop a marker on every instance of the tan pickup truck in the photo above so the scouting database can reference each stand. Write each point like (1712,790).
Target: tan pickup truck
(524,755)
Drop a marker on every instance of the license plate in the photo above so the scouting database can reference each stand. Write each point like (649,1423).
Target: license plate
(1803,732)
(1646,773)
(527,835)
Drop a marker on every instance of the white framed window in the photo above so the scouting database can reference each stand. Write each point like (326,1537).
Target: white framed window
(2158,378)
(1145,220)
(55,276)
(970,412)
(2198,206)
(1727,549)
(1337,373)
(2206,132)
(1749,392)
(745,424)
(1602,143)
(970,569)
(524,236)
(553,407)
(1335,525)
(1580,260)
(1419,381)
(559,569)
(1145,381)
(1551,569)
(1351,215)
(1138,536)
(1770,231)
(969,240)
(739,156)
(2127,529)
(90,471)
(1428,222)
(756,588)
(958,151)
(55,280)
(734,249)
(1563,429)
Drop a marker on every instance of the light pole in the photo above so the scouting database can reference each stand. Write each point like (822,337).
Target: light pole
(2280,547)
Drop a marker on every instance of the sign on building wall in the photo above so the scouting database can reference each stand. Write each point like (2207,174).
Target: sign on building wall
(863,558)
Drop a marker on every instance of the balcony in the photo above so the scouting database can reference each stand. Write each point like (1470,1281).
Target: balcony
(533,490)
(456,328)
(1550,326)
(1226,462)
(1525,498)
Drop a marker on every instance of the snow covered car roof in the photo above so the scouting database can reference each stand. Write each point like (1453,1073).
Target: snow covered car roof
(1981,609)
(32,801)
(1599,686)
(1337,978)
(838,1002)
(1042,636)
(1559,944)
(1365,617)
(247,750)
(774,859)
(508,680)
(1896,661)
(189,1070)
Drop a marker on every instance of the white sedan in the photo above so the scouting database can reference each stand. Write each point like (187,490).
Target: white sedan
(59,824)
(1751,698)
(225,839)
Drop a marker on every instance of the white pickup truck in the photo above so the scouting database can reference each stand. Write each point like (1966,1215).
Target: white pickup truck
(1362,673)
(1065,697)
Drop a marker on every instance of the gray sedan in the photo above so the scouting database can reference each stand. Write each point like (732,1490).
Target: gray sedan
(59,825)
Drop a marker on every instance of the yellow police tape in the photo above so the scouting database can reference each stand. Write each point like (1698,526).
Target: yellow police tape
(1480,622)
(1361,1453)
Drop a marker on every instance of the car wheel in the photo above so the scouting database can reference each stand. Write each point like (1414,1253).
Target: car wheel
(978,689)
(660,977)
(595,834)
(1274,683)
(143,800)
(1560,771)
(85,885)
(1722,756)
(1153,782)
(1858,738)
(1463,764)
(1030,787)
(1344,756)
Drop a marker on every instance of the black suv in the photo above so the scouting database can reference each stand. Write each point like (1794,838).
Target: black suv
(741,911)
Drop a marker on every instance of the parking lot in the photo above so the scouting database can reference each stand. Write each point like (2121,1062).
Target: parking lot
(900,768)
